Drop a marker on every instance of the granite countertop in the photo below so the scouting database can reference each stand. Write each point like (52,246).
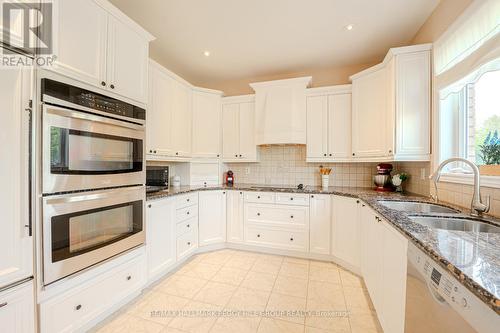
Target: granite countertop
(472,258)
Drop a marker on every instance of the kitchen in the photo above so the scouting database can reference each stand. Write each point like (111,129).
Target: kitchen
(174,166)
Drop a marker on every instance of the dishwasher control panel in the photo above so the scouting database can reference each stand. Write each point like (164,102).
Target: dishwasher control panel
(447,290)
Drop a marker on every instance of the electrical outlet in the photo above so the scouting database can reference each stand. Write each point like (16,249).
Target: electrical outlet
(422,174)
(247,170)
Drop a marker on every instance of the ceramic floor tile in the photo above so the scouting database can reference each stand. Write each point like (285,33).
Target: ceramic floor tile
(364,323)
(248,300)
(240,263)
(171,330)
(290,286)
(327,315)
(295,270)
(324,264)
(329,330)
(199,318)
(259,281)
(329,293)
(271,258)
(202,271)
(324,274)
(215,293)
(358,300)
(155,306)
(272,325)
(236,325)
(228,275)
(216,258)
(126,323)
(286,307)
(350,280)
(264,266)
(296,260)
(183,286)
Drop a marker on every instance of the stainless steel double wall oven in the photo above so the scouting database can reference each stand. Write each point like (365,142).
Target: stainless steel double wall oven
(93,175)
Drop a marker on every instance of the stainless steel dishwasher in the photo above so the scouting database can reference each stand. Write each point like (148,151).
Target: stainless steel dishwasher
(437,302)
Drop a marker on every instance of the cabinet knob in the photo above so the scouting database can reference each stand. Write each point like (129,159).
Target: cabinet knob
(189,243)
(78,307)
(241,192)
(129,278)
(390,151)
(324,154)
(236,155)
(150,151)
(258,197)
(187,212)
(223,192)
(353,154)
(329,154)
(187,199)
(258,214)
(218,155)
(188,226)
(177,153)
(258,235)
(291,216)
(103,83)
(149,206)
(112,86)
(291,239)
(362,205)
(291,198)
(154,151)
(357,201)
(312,196)
(240,155)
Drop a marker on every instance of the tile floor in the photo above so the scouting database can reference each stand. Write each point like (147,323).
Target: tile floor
(236,286)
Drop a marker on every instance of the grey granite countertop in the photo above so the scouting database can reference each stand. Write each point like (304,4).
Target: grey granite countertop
(472,258)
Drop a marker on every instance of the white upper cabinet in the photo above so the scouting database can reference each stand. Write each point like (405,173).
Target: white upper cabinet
(16,257)
(212,217)
(110,54)
(329,124)
(207,121)
(127,65)
(238,129)
(387,101)
(320,223)
(181,125)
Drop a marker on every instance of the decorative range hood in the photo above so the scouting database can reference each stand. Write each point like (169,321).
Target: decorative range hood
(280,111)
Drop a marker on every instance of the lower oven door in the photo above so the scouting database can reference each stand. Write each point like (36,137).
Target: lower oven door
(87,151)
(83,229)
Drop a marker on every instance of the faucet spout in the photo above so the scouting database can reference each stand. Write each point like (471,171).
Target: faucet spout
(477,206)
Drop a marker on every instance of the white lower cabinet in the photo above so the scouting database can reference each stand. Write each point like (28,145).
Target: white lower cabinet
(234,217)
(212,217)
(320,223)
(276,237)
(345,230)
(77,308)
(17,309)
(160,237)
(384,262)
(186,218)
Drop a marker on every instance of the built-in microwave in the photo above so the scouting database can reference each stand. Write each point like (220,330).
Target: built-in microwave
(89,141)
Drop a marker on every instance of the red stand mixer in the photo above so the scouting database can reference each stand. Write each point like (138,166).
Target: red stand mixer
(382,179)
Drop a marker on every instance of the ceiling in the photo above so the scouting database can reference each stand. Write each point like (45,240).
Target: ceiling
(250,38)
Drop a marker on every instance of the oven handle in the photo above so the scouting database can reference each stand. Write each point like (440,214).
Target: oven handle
(96,196)
(85,116)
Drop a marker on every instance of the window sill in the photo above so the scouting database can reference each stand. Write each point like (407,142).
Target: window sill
(468,179)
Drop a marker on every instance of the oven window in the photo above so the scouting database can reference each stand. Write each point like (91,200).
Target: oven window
(80,152)
(84,231)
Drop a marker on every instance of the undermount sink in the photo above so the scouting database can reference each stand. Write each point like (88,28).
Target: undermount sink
(416,207)
(458,224)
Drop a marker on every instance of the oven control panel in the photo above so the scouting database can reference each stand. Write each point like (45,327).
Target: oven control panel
(447,290)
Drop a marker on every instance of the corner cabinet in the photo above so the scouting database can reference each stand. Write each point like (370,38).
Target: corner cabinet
(111,54)
(387,101)
(328,124)
(212,217)
(169,115)
(207,122)
(238,129)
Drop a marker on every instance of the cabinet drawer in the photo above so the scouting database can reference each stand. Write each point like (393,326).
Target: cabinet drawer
(277,238)
(186,200)
(186,213)
(186,244)
(277,215)
(260,197)
(198,181)
(75,308)
(186,226)
(292,199)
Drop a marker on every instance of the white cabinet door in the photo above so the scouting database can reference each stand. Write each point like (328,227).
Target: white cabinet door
(206,124)
(369,112)
(320,223)
(412,105)
(17,313)
(212,217)
(235,217)
(81,53)
(394,262)
(160,236)
(127,61)
(248,148)
(339,126)
(345,230)
(16,257)
(317,127)
(230,131)
(181,120)
(159,112)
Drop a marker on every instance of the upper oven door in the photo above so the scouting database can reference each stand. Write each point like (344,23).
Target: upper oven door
(86,151)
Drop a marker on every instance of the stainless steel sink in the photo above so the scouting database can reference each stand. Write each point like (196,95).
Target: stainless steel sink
(416,207)
(459,224)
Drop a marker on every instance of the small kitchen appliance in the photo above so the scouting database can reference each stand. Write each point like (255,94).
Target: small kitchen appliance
(229,178)
(382,179)
(157,178)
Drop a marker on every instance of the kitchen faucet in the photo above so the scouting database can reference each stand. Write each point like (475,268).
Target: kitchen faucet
(477,207)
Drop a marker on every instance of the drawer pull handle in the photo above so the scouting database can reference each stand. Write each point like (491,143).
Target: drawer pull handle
(258,235)
(189,243)
(291,216)
(258,214)
(78,307)
(129,278)
(3,304)
(291,239)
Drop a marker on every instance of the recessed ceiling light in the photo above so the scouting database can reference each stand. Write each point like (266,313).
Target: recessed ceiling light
(349,27)
(207,53)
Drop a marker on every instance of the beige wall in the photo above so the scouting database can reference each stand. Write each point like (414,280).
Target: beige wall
(320,78)
(442,17)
